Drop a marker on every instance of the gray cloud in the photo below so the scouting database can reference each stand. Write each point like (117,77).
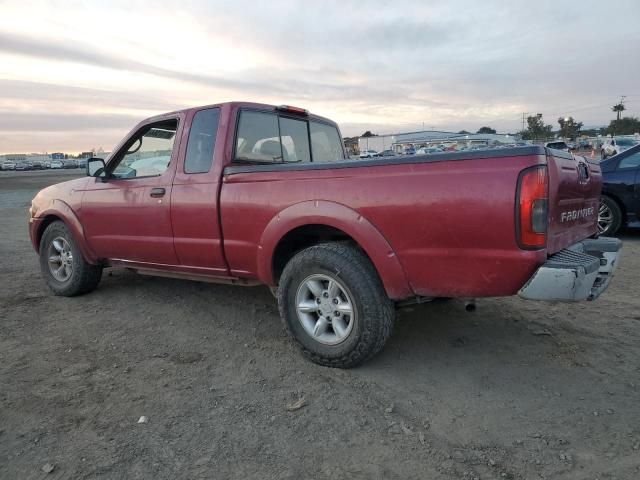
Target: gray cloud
(463,65)
(22,45)
(28,92)
(63,122)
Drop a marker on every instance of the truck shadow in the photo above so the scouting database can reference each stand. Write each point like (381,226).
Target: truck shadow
(501,332)
(504,339)
(526,355)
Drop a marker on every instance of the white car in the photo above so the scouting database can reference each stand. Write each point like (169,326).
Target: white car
(558,145)
(428,150)
(56,164)
(8,166)
(368,153)
(613,146)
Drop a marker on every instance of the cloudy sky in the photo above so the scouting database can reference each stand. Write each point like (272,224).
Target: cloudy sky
(77,75)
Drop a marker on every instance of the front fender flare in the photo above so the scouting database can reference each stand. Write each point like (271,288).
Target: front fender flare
(336,215)
(58,208)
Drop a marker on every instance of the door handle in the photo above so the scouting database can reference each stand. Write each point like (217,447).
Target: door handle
(157,192)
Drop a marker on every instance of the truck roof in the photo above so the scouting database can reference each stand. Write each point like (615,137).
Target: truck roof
(241,104)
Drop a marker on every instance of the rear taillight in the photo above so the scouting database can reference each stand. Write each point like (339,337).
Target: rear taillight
(533,207)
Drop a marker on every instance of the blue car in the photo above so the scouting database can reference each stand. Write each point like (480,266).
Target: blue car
(620,200)
(409,151)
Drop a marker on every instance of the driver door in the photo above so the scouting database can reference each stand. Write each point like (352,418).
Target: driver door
(126,214)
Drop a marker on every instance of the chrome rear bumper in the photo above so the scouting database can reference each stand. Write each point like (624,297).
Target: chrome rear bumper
(580,272)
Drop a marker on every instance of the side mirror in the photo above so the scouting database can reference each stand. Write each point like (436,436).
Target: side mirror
(95,167)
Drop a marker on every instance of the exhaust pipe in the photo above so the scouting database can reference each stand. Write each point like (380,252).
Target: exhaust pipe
(470,305)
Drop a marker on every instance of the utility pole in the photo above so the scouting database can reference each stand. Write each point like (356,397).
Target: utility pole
(621,103)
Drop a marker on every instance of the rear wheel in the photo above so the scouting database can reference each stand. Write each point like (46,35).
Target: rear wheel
(333,304)
(63,267)
(609,217)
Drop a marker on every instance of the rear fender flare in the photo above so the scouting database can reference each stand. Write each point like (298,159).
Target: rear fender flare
(320,212)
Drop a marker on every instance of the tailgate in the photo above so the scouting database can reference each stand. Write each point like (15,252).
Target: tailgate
(574,195)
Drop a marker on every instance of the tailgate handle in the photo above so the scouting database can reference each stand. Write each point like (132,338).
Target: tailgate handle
(157,192)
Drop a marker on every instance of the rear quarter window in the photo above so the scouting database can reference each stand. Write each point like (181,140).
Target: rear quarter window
(258,138)
(264,137)
(295,140)
(202,140)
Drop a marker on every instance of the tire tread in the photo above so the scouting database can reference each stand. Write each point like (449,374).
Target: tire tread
(377,317)
(85,278)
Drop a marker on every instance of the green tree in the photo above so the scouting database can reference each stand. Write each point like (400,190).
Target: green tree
(536,129)
(569,128)
(368,134)
(623,126)
(486,130)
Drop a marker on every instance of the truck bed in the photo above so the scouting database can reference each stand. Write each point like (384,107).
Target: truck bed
(449,218)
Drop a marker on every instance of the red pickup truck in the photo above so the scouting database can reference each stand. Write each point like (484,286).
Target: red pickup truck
(248,194)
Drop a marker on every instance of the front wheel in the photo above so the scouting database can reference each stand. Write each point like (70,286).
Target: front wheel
(63,267)
(609,217)
(333,304)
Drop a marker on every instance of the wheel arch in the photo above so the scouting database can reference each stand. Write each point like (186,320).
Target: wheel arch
(60,211)
(311,222)
(618,202)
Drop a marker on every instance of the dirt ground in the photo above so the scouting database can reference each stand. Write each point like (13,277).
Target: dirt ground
(516,390)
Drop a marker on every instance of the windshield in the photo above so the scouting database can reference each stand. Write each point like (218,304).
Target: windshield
(627,142)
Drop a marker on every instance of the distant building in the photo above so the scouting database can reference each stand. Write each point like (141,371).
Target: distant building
(57,156)
(37,157)
(14,157)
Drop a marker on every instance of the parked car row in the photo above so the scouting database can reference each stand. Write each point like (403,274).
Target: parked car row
(43,165)
(436,148)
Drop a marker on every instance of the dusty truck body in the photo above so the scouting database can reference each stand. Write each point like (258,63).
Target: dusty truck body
(251,194)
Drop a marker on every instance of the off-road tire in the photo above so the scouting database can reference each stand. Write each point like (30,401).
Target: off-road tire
(373,322)
(84,277)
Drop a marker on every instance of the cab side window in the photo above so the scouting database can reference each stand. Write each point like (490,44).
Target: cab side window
(202,141)
(147,153)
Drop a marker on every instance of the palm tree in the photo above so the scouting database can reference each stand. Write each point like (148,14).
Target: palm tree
(619,108)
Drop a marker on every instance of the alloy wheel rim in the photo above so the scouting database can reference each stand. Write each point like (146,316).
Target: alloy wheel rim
(60,259)
(605,217)
(325,309)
